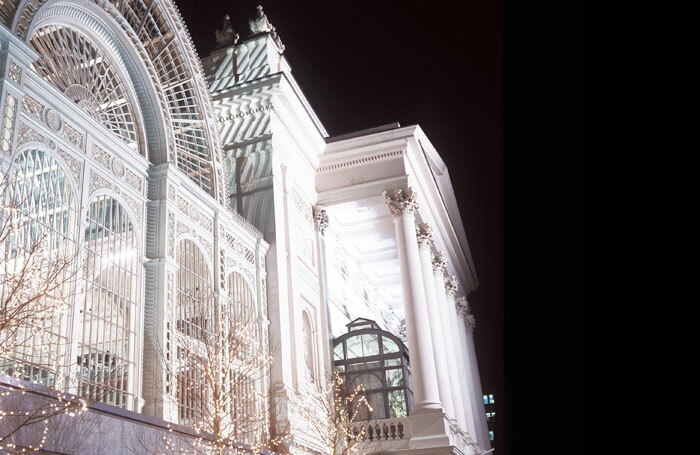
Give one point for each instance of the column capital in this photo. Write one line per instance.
(320, 218)
(470, 320)
(462, 307)
(439, 263)
(451, 286)
(424, 235)
(401, 202)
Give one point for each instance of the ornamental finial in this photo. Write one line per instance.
(451, 285)
(261, 24)
(320, 218)
(424, 234)
(401, 202)
(226, 36)
(439, 263)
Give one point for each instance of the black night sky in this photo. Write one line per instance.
(362, 64)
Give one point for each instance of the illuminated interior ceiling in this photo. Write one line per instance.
(77, 67)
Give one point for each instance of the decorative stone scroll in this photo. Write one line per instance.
(15, 72)
(439, 263)
(320, 219)
(301, 205)
(424, 235)
(451, 286)
(401, 202)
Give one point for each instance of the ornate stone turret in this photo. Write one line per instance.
(226, 35)
(261, 24)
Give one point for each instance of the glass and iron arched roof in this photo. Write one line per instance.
(379, 361)
(156, 34)
(76, 66)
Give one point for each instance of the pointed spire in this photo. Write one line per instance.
(261, 24)
(226, 36)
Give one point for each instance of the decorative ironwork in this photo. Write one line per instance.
(76, 66)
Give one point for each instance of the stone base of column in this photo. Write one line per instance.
(433, 433)
(428, 407)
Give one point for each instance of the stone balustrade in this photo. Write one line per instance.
(382, 430)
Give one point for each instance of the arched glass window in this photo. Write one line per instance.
(379, 361)
(194, 319)
(248, 403)
(106, 356)
(308, 337)
(37, 253)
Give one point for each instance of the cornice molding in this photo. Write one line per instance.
(362, 161)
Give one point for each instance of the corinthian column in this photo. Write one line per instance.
(424, 236)
(472, 376)
(444, 294)
(426, 397)
(459, 335)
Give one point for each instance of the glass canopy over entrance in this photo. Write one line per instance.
(379, 361)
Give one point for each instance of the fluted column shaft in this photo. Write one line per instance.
(426, 397)
(446, 333)
(473, 379)
(458, 329)
(424, 237)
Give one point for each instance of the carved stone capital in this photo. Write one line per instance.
(462, 307)
(470, 322)
(424, 234)
(401, 202)
(439, 263)
(451, 286)
(320, 218)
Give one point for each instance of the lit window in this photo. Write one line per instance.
(486, 399)
(491, 435)
(491, 399)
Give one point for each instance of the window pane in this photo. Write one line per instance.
(370, 343)
(397, 403)
(376, 400)
(354, 347)
(370, 381)
(392, 362)
(389, 345)
(394, 378)
(363, 366)
(338, 352)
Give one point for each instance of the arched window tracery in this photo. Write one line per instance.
(106, 353)
(194, 323)
(38, 251)
(77, 67)
(157, 37)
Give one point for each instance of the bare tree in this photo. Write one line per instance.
(219, 374)
(322, 417)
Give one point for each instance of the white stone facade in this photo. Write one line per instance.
(226, 158)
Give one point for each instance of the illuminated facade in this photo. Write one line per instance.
(195, 192)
